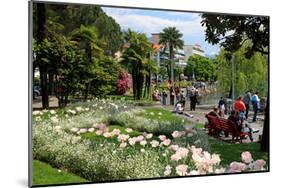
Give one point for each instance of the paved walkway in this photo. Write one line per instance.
(199, 117)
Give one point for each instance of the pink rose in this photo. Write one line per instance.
(237, 167)
(181, 170)
(247, 157)
(166, 142)
(175, 157)
(162, 137)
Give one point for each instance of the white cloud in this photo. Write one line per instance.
(150, 24)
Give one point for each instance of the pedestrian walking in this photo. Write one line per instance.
(256, 105)
(247, 100)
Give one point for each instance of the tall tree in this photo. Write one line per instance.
(40, 59)
(170, 37)
(135, 55)
(231, 32)
(86, 38)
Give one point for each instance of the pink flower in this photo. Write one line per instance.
(181, 170)
(166, 142)
(174, 147)
(246, 157)
(176, 134)
(162, 137)
(107, 134)
(132, 141)
(175, 157)
(98, 132)
(258, 165)
(237, 167)
(196, 150)
(123, 137)
(182, 152)
(116, 131)
(139, 138)
(215, 159)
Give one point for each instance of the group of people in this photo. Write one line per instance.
(240, 112)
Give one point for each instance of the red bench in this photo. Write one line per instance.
(217, 124)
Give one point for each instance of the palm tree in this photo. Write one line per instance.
(150, 67)
(86, 38)
(135, 56)
(171, 39)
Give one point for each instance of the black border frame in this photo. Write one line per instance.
(30, 93)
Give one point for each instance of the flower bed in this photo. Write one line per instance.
(81, 140)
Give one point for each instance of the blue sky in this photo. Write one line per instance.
(153, 21)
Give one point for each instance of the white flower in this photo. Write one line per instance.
(246, 157)
(194, 172)
(174, 147)
(142, 150)
(152, 113)
(83, 130)
(36, 113)
(123, 145)
(74, 129)
(91, 130)
(38, 118)
(87, 109)
(143, 142)
(132, 141)
(160, 113)
(149, 136)
(79, 109)
(176, 134)
(154, 143)
(167, 172)
(73, 112)
(52, 112)
(59, 171)
(129, 130)
(220, 170)
(54, 119)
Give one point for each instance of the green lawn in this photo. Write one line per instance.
(44, 174)
(232, 152)
(162, 114)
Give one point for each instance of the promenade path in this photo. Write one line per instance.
(201, 110)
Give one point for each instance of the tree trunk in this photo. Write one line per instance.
(41, 35)
(44, 87)
(265, 133)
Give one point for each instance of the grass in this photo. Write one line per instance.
(232, 152)
(44, 174)
(163, 115)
